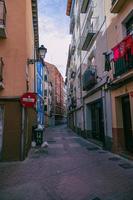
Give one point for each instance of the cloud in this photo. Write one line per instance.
(53, 31)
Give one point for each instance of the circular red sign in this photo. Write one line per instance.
(28, 99)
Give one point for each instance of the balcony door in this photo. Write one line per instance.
(127, 123)
(1, 129)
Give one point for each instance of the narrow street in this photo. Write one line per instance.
(71, 168)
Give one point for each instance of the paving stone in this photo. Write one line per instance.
(70, 168)
(74, 145)
(114, 158)
(126, 165)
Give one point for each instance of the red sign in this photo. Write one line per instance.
(28, 99)
(131, 94)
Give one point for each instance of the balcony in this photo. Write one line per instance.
(90, 29)
(2, 19)
(123, 56)
(84, 5)
(89, 78)
(1, 73)
(117, 5)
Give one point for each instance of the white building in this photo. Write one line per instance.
(89, 105)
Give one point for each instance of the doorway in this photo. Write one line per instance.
(127, 125)
(97, 121)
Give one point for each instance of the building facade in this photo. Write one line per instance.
(40, 93)
(57, 107)
(94, 78)
(18, 43)
(121, 82)
(47, 98)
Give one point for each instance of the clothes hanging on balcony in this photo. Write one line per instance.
(116, 52)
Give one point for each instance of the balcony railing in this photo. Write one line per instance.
(89, 78)
(2, 19)
(117, 5)
(123, 56)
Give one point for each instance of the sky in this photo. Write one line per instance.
(54, 31)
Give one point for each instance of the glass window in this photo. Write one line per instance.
(45, 107)
(45, 78)
(45, 92)
(129, 26)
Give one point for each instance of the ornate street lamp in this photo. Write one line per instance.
(42, 52)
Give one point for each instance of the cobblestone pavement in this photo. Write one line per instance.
(69, 169)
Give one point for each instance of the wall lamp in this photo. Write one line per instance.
(42, 52)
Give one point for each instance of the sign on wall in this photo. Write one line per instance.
(28, 99)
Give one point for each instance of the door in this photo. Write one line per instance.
(97, 121)
(1, 129)
(127, 123)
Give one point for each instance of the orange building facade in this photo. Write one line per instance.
(18, 42)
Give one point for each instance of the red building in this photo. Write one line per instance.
(57, 81)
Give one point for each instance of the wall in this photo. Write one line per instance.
(114, 23)
(29, 44)
(13, 49)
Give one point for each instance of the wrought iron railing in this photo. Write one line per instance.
(89, 78)
(123, 56)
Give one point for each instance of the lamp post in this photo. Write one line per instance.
(41, 55)
(41, 52)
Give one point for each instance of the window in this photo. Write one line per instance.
(45, 78)
(45, 107)
(45, 92)
(129, 26)
(2, 19)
